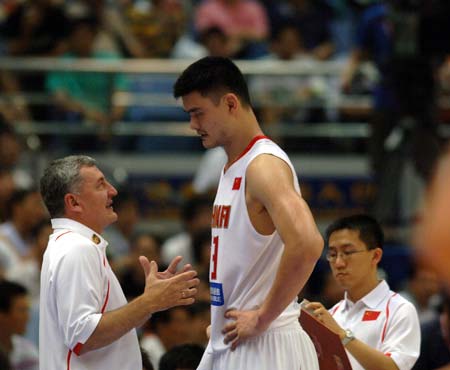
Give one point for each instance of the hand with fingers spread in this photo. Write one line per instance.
(321, 313)
(245, 324)
(169, 288)
(172, 269)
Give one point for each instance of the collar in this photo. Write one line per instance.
(79, 228)
(373, 298)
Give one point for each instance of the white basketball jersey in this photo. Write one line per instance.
(244, 263)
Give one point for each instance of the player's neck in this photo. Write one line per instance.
(241, 139)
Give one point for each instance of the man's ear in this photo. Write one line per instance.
(378, 253)
(71, 203)
(231, 101)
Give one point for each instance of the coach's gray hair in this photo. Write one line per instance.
(62, 176)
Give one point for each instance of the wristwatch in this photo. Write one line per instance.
(348, 337)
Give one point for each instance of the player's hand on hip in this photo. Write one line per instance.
(164, 293)
(245, 324)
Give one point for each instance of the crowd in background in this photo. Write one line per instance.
(303, 30)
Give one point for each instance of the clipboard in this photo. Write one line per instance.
(330, 351)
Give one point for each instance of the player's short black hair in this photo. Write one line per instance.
(212, 75)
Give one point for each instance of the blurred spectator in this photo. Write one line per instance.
(146, 363)
(165, 330)
(201, 244)
(394, 36)
(184, 357)
(114, 34)
(157, 25)
(208, 171)
(11, 151)
(195, 215)
(289, 98)
(435, 345)
(200, 320)
(331, 292)
(27, 273)
(85, 96)
(216, 42)
(25, 211)
(14, 306)
(13, 106)
(119, 234)
(245, 22)
(422, 290)
(36, 27)
(203, 291)
(313, 20)
(131, 275)
(7, 188)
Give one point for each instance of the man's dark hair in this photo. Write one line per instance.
(213, 75)
(62, 176)
(163, 317)
(369, 229)
(8, 292)
(193, 207)
(185, 356)
(18, 197)
(199, 239)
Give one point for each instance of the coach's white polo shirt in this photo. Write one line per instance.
(77, 286)
(385, 321)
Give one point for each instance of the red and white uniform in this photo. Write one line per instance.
(384, 320)
(77, 286)
(243, 267)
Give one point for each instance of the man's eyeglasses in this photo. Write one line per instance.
(345, 255)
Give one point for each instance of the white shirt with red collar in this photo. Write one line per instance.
(77, 287)
(384, 320)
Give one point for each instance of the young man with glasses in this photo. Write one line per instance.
(379, 328)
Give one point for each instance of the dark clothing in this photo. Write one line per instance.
(51, 29)
(434, 352)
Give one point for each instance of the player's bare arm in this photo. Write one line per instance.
(269, 183)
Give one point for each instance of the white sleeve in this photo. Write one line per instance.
(402, 337)
(209, 170)
(80, 288)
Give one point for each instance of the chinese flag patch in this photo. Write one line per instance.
(371, 315)
(237, 183)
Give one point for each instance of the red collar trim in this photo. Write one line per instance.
(247, 149)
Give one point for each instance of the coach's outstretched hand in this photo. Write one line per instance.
(169, 288)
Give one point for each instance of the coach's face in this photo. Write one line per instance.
(353, 265)
(94, 200)
(208, 117)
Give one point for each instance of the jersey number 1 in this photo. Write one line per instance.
(215, 252)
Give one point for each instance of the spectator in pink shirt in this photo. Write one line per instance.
(244, 21)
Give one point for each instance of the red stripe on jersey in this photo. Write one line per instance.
(64, 233)
(246, 150)
(336, 308)
(69, 355)
(383, 334)
(106, 299)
